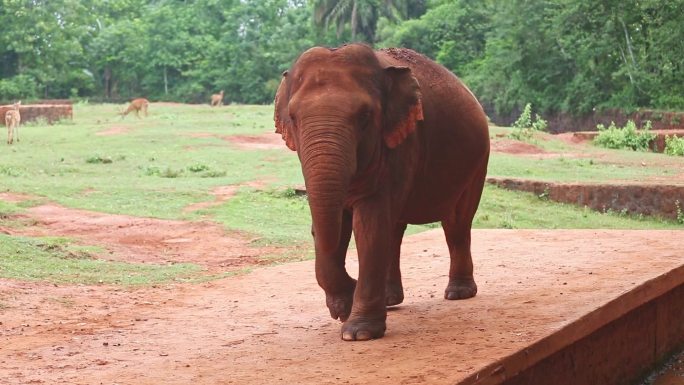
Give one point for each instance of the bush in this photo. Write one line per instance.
(627, 137)
(18, 87)
(199, 167)
(99, 159)
(525, 118)
(524, 127)
(674, 145)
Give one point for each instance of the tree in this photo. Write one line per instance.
(41, 46)
(362, 15)
(454, 33)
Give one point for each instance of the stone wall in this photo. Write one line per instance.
(50, 112)
(630, 198)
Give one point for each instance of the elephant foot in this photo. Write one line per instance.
(363, 329)
(394, 294)
(461, 288)
(340, 304)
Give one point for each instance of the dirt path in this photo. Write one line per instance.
(271, 326)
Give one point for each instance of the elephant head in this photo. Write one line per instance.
(342, 110)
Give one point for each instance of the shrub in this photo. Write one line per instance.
(626, 137)
(99, 159)
(674, 145)
(168, 172)
(213, 174)
(524, 127)
(525, 118)
(198, 167)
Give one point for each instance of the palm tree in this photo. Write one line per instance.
(362, 14)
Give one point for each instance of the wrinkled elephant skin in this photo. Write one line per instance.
(385, 138)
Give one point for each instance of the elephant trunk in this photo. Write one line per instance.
(328, 159)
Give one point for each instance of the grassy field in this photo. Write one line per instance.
(158, 166)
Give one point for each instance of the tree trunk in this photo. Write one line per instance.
(166, 83)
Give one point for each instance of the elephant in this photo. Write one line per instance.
(385, 138)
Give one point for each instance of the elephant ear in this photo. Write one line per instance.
(281, 116)
(404, 107)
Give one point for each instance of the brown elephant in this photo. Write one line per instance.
(385, 138)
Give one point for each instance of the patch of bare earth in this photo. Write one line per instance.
(145, 240)
(14, 197)
(510, 146)
(221, 194)
(505, 145)
(266, 141)
(114, 130)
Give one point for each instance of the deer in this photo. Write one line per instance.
(137, 105)
(12, 120)
(217, 99)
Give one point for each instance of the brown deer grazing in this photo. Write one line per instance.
(137, 105)
(217, 99)
(12, 120)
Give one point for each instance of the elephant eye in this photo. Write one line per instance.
(365, 117)
(291, 112)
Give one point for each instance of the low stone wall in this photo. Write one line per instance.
(631, 198)
(49, 112)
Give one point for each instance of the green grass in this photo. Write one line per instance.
(503, 209)
(177, 155)
(563, 169)
(149, 170)
(277, 217)
(8, 208)
(58, 260)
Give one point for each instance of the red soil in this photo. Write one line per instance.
(114, 130)
(271, 326)
(146, 240)
(510, 146)
(221, 194)
(266, 141)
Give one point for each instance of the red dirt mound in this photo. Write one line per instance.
(510, 146)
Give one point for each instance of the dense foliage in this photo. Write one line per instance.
(627, 137)
(674, 145)
(161, 49)
(560, 55)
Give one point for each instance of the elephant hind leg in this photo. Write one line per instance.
(394, 292)
(457, 231)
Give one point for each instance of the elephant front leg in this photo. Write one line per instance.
(332, 275)
(373, 242)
